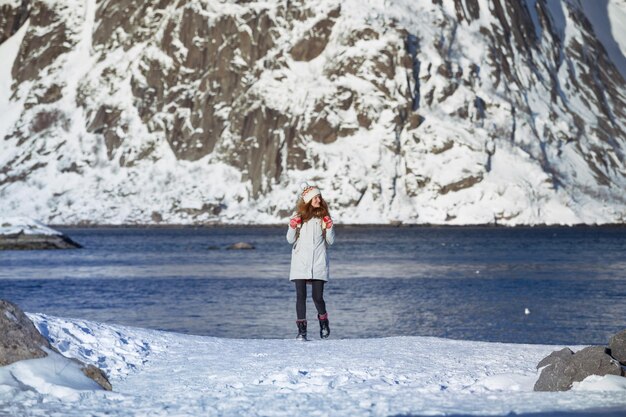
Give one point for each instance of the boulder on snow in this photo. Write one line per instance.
(96, 374)
(617, 345)
(562, 371)
(564, 354)
(21, 233)
(241, 245)
(20, 340)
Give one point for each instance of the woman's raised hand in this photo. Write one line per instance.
(328, 222)
(295, 222)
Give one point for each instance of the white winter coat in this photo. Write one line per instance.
(309, 259)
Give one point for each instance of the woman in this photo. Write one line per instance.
(310, 231)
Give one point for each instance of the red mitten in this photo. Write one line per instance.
(295, 222)
(328, 221)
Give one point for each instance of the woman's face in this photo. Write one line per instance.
(315, 202)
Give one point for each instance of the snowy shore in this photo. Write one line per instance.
(165, 374)
(25, 225)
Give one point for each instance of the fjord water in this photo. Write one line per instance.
(472, 283)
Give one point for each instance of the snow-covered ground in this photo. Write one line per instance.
(166, 374)
(13, 225)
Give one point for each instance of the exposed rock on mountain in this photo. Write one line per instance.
(12, 16)
(193, 111)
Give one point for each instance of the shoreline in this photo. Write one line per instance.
(340, 225)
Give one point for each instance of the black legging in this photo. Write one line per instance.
(318, 297)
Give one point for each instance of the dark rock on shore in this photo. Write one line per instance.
(20, 340)
(24, 241)
(562, 355)
(562, 368)
(97, 375)
(241, 245)
(617, 345)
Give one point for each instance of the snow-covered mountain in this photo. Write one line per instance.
(430, 111)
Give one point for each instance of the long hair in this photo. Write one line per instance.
(307, 211)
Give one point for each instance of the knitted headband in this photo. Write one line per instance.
(309, 192)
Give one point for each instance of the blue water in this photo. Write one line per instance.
(460, 283)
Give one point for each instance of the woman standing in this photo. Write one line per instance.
(310, 231)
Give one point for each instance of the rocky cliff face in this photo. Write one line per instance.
(12, 17)
(189, 111)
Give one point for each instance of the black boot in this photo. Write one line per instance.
(324, 328)
(301, 330)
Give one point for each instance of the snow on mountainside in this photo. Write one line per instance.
(431, 111)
